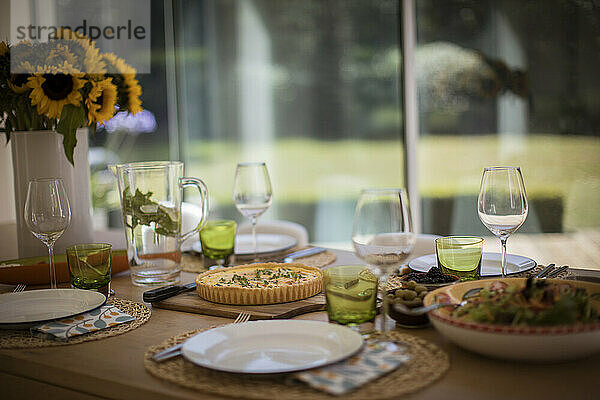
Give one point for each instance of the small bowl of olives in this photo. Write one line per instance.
(411, 295)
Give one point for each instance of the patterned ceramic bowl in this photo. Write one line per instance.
(525, 343)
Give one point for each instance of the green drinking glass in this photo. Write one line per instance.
(217, 238)
(351, 295)
(89, 266)
(460, 255)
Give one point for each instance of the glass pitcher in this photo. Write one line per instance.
(151, 194)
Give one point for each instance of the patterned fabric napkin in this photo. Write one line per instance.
(376, 359)
(100, 318)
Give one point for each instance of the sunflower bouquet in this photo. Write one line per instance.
(62, 85)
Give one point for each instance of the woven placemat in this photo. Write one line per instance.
(23, 339)
(428, 363)
(195, 264)
(192, 263)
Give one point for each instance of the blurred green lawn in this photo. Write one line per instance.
(313, 170)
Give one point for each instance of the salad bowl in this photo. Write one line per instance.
(523, 341)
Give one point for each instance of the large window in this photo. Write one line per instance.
(143, 137)
(509, 83)
(311, 87)
(315, 89)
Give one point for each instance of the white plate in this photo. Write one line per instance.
(490, 265)
(18, 310)
(266, 244)
(264, 347)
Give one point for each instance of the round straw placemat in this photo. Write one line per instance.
(195, 264)
(192, 263)
(24, 339)
(318, 260)
(428, 363)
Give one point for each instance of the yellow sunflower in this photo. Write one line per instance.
(59, 54)
(92, 60)
(3, 48)
(52, 89)
(18, 82)
(134, 91)
(132, 88)
(101, 101)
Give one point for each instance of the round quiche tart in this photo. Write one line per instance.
(260, 283)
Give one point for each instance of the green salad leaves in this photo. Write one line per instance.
(539, 303)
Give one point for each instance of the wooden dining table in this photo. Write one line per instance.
(113, 368)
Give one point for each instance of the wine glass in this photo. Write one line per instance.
(252, 193)
(47, 214)
(382, 233)
(502, 204)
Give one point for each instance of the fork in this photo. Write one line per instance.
(19, 288)
(175, 351)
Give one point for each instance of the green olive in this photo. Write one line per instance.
(411, 284)
(409, 295)
(413, 303)
(420, 288)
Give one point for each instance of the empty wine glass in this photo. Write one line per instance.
(47, 214)
(252, 193)
(382, 233)
(502, 204)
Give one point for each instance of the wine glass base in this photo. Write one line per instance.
(211, 263)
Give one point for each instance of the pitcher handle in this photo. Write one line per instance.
(186, 181)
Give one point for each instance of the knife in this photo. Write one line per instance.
(302, 253)
(162, 293)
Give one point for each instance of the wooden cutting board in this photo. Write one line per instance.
(191, 302)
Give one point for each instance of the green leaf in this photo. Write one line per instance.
(71, 118)
(144, 211)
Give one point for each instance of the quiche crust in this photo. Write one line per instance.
(219, 286)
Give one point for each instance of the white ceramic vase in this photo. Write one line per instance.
(40, 154)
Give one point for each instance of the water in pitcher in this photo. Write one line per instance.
(153, 250)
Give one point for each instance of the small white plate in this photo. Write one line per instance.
(22, 309)
(490, 265)
(271, 346)
(266, 244)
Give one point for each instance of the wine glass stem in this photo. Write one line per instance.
(52, 270)
(254, 244)
(503, 240)
(383, 285)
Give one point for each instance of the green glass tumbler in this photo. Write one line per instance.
(89, 266)
(460, 255)
(351, 295)
(217, 238)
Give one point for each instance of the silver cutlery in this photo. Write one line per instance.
(303, 253)
(19, 288)
(557, 271)
(425, 309)
(175, 351)
(545, 271)
(288, 258)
